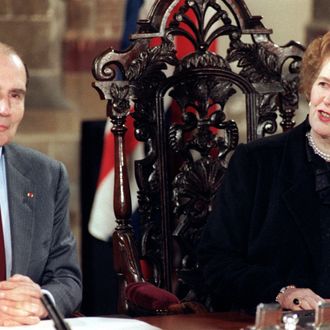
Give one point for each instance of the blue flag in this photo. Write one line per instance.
(131, 17)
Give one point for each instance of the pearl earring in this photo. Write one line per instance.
(310, 104)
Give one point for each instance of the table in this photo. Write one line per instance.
(207, 321)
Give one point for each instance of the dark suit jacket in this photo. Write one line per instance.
(42, 243)
(264, 231)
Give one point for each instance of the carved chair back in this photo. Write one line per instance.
(188, 110)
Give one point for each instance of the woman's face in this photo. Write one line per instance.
(319, 111)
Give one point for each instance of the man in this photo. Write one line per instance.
(39, 248)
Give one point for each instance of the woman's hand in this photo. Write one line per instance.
(297, 299)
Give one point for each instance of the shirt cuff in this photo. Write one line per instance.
(44, 291)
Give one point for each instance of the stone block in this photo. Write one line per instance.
(5, 7)
(105, 27)
(68, 152)
(33, 40)
(45, 90)
(79, 54)
(79, 16)
(42, 146)
(49, 124)
(321, 10)
(316, 29)
(87, 101)
(28, 7)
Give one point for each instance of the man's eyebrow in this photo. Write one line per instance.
(19, 91)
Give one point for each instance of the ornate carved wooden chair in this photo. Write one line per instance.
(232, 72)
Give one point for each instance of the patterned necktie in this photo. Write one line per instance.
(2, 254)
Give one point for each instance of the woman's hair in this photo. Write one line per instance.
(315, 55)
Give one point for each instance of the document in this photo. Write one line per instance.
(91, 323)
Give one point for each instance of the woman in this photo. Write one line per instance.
(268, 238)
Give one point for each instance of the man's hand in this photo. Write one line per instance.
(20, 302)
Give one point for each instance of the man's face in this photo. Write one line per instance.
(12, 95)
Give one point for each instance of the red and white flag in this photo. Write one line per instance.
(102, 219)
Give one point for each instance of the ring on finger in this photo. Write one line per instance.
(296, 301)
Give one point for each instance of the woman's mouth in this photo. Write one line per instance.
(324, 116)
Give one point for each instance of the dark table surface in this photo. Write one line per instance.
(207, 321)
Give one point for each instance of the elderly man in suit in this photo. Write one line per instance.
(37, 248)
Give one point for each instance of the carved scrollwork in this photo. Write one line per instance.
(148, 181)
(152, 60)
(257, 62)
(194, 189)
(267, 124)
(203, 60)
(290, 95)
(230, 139)
(204, 140)
(268, 105)
(119, 101)
(263, 65)
(151, 250)
(197, 98)
(202, 35)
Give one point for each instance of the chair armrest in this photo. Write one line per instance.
(150, 297)
(146, 296)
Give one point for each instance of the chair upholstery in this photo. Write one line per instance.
(185, 113)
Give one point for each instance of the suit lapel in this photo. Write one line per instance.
(21, 200)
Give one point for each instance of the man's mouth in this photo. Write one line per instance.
(3, 128)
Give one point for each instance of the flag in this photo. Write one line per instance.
(102, 219)
(102, 222)
(132, 14)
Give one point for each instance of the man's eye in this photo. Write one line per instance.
(17, 96)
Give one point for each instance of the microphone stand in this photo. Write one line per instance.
(54, 313)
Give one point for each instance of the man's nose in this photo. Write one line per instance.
(4, 107)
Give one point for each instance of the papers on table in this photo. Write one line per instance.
(92, 323)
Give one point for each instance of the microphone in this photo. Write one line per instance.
(54, 313)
